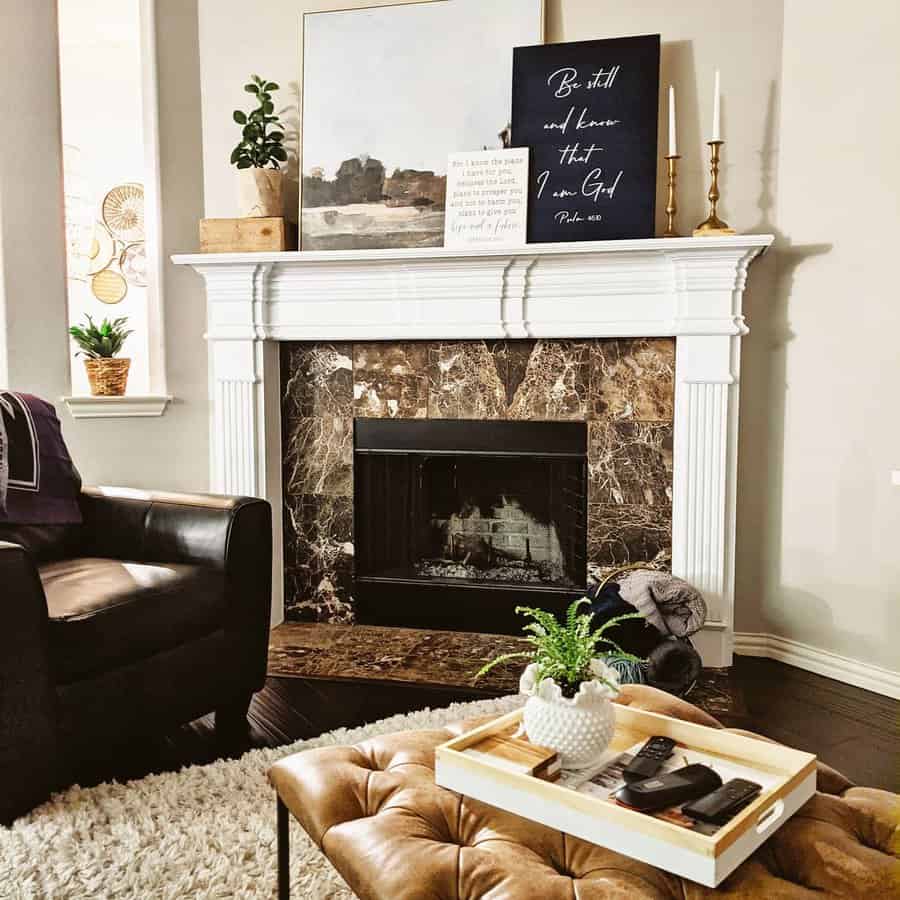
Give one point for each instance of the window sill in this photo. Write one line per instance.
(128, 406)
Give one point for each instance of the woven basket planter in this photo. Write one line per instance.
(107, 377)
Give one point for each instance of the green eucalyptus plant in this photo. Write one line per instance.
(262, 133)
(102, 342)
(563, 651)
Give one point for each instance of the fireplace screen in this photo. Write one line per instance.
(483, 503)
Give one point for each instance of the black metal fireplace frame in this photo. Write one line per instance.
(448, 603)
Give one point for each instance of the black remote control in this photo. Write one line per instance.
(724, 803)
(649, 758)
(671, 789)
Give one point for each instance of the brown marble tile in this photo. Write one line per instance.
(630, 462)
(465, 381)
(516, 356)
(318, 456)
(633, 379)
(555, 383)
(622, 533)
(318, 558)
(390, 380)
(407, 655)
(438, 659)
(316, 380)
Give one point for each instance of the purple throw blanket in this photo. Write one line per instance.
(39, 484)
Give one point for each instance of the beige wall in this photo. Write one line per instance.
(828, 568)
(33, 344)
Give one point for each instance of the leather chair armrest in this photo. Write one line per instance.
(153, 526)
(27, 694)
(233, 534)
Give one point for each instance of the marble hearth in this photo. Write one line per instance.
(624, 389)
(522, 317)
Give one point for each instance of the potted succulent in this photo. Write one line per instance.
(569, 683)
(259, 187)
(107, 374)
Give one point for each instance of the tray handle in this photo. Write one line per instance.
(768, 819)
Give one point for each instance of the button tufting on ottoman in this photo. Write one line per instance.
(392, 834)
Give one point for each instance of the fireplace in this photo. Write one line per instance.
(443, 483)
(583, 332)
(457, 521)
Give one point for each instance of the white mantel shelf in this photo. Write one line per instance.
(577, 248)
(590, 289)
(689, 288)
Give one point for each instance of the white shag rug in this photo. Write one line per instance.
(203, 832)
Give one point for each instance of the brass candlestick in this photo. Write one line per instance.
(671, 202)
(713, 225)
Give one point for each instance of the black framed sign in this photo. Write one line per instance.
(589, 110)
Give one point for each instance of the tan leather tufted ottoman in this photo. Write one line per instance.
(378, 816)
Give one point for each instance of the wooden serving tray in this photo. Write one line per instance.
(702, 858)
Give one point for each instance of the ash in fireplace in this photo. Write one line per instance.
(509, 570)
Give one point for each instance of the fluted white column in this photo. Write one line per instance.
(235, 426)
(707, 375)
(245, 423)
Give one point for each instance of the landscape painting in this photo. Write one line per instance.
(388, 93)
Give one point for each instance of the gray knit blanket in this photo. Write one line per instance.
(670, 604)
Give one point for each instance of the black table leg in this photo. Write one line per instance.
(284, 851)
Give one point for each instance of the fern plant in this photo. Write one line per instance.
(103, 342)
(563, 651)
(261, 131)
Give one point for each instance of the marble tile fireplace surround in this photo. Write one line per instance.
(634, 344)
(619, 391)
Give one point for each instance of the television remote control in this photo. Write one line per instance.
(724, 803)
(649, 758)
(670, 789)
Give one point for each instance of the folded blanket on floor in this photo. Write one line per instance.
(671, 604)
(637, 636)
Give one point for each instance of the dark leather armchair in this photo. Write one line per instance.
(151, 613)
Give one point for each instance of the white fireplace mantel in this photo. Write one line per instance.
(689, 288)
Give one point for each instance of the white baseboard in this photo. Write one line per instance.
(822, 662)
(713, 643)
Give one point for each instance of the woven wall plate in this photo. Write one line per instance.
(123, 212)
(133, 263)
(102, 251)
(109, 287)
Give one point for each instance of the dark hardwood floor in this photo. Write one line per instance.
(854, 731)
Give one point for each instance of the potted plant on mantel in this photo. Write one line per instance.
(262, 134)
(107, 374)
(569, 683)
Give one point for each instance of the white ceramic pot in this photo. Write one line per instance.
(259, 192)
(579, 728)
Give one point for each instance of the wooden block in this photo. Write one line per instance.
(243, 235)
(518, 755)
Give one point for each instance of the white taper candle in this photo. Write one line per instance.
(716, 136)
(672, 142)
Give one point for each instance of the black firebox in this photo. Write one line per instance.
(457, 522)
